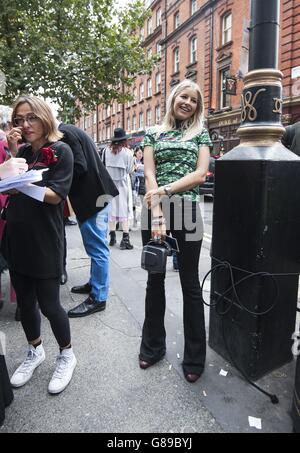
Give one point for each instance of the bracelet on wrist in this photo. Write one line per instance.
(158, 222)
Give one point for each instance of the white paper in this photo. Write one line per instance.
(15, 182)
(36, 192)
(223, 373)
(255, 422)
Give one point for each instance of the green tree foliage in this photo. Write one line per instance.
(76, 52)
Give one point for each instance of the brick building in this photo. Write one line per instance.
(207, 41)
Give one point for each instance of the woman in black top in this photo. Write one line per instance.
(33, 239)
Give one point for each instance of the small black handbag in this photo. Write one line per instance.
(154, 256)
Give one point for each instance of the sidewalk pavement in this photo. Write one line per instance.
(109, 393)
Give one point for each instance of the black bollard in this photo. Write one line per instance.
(256, 220)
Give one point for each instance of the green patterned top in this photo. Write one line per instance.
(174, 158)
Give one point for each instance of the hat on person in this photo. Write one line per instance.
(119, 135)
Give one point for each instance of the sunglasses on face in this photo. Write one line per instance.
(31, 120)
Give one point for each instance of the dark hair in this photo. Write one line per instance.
(116, 147)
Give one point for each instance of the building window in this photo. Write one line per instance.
(176, 60)
(176, 20)
(224, 98)
(108, 111)
(226, 28)
(157, 82)
(113, 108)
(135, 95)
(158, 17)
(142, 34)
(134, 122)
(141, 120)
(107, 133)
(193, 50)
(149, 26)
(149, 118)
(158, 49)
(128, 123)
(95, 118)
(149, 87)
(149, 53)
(157, 114)
(119, 107)
(141, 97)
(193, 6)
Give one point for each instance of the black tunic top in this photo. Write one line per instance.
(33, 238)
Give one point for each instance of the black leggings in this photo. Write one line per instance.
(34, 293)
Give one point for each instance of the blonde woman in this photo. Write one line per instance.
(176, 158)
(33, 238)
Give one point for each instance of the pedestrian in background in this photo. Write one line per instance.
(119, 162)
(33, 238)
(139, 189)
(91, 191)
(176, 159)
(291, 138)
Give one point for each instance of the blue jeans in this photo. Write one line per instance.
(94, 236)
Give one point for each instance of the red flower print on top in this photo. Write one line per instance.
(48, 156)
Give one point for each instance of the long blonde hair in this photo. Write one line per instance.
(42, 110)
(194, 125)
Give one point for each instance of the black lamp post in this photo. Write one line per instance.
(256, 222)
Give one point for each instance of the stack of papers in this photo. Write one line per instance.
(24, 183)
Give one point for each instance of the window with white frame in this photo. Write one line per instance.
(149, 88)
(224, 98)
(157, 114)
(95, 118)
(158, 49)
(135, 95)
(119, 107)
(128, 123)
(176, 60)
(141, 97)
(149, 118)
(226, 28)
(108, 111)
(113, 108)
(193, 50)
(142, 34)
(157, 82)
(193, 6)
(107, 132)
(149, 26)
(141, 120)
(158, 17)
(134, 122)
(176, 20)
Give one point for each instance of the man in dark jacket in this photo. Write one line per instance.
(291, 138)
(92, 189)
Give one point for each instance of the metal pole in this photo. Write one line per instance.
(256, 219)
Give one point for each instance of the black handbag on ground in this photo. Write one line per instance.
(154, 256)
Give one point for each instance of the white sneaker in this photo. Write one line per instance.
(35, 356)
(65, 364)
